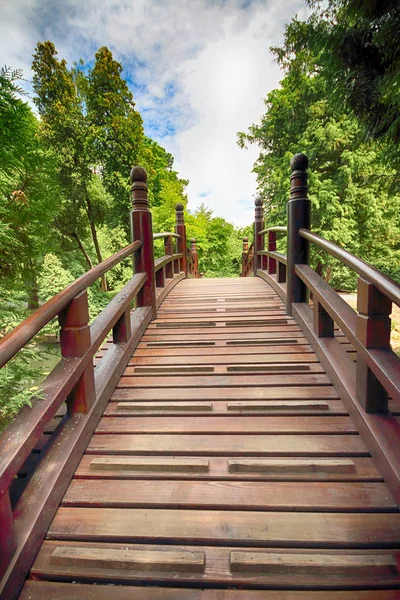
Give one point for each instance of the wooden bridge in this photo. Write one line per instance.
(226, 439)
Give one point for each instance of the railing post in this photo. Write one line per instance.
(169, 268)
(7, 533)
(195, 256)
(299, 216)
(244, 255)
(271, 248)
(75, 342)
(180, 229)
(258, 239)
(142, 229)
(373, 331)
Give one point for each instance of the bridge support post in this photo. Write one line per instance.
(75, 342)
(258, 239)
(169, 271)
(142, 229)
(180, 229)
(373, 331)
(299, 216)
(195, 256)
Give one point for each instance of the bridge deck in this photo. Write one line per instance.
(224, 458)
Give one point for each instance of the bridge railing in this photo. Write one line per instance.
(27, 510)
(247, 257)
(375, 378)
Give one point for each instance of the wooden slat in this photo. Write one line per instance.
(140, 560)
(225, 380)
(230, 424)
(270, 465)
(284, 529)
(262, 562)
(191, 465)
(231, 495)
(39, 590)
(196, 359)
(233, 445)
(228, 393)
(165, 406)
(281, 405)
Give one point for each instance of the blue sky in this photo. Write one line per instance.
(198, 69)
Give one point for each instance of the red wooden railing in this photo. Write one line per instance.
(368, 384)
(26, 510)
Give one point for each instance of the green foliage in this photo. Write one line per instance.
(353, 202)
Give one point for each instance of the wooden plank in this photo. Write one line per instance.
(218, 468)
(210, 424)
(226, 380)
(45, 590)
(219, 407)
(283, 529)
(188, 465)
(281, 405)
(217, 572)
(141, 560)
(232, 495)
(239, 358)
(264, 562)
(229, 444)
(203, 350)
(164, 406)
(228, 393)
(270, 465)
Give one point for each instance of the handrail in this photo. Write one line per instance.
(277, 255)
(161, 262)
(16, 339)
(385, 284)
(165, 234)
(277, 229)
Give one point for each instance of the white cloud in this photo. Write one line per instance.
(213, 55)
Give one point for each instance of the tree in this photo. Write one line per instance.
(349, 177)
(66, 130)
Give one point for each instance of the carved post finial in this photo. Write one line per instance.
(245, 244)
(179, 208)
(139, 189)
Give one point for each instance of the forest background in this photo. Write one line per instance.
(64, 173)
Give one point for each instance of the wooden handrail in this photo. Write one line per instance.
(74, 379)
(385, 284)
(277, 229)
(365, 386)
(16, 339)
(165, 234)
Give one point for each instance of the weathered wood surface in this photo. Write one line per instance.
(249, 473)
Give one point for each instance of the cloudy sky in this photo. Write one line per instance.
(199, 70)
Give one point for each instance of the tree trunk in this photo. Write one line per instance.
(32, 287)
(89, 213)
(82, 249)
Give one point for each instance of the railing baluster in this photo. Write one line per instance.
(195, 256)
(281, 275)
(8, 543)
(180, 229)
(271, 265)
(323, 323)
(142, 229)
(258, 239)
(75, 342)
(122, 330)
(244, 256)
(168, 252)
(373, 331)
(299, 216)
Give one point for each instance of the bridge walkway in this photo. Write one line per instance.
(225, 464)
